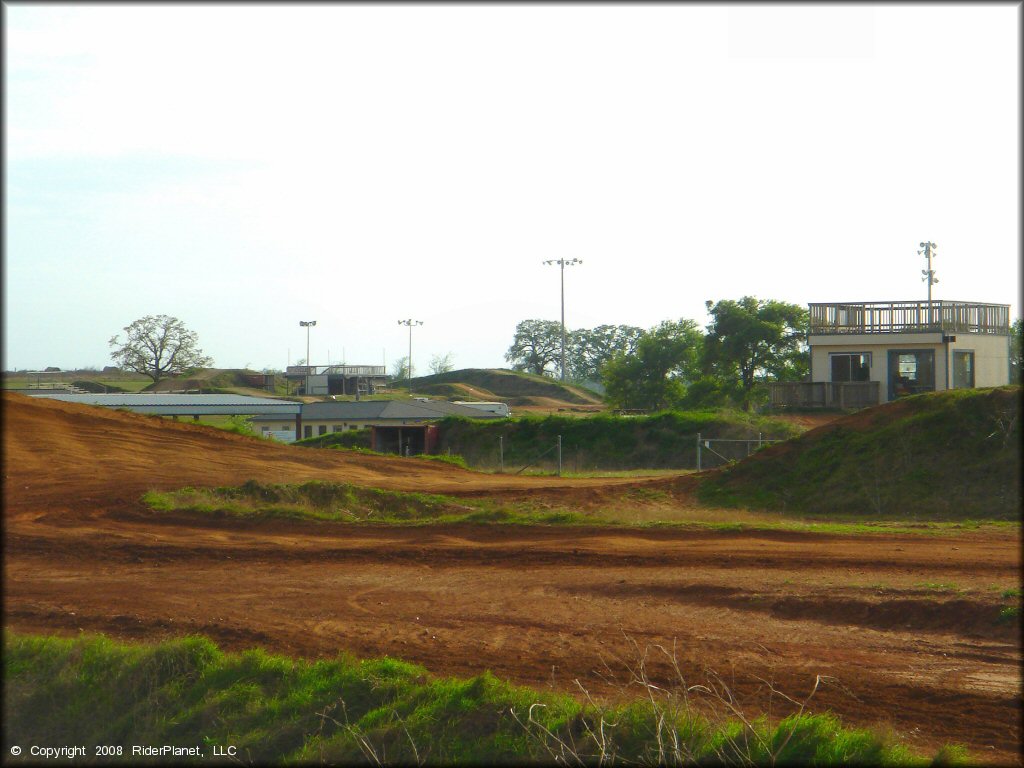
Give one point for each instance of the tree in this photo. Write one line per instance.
(400, 369)
(441, 363)
(656, 375)
(752, 340)
(1016, 339)
(588, 351)
(537, 344)
(158, 346)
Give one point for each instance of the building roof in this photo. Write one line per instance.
(366, 410)
(189, 405)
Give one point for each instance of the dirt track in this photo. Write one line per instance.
(542, 606)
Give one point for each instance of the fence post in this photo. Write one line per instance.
(501, 454)
(559, 455)
(698, 451)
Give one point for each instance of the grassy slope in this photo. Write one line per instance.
(661, 441)
(945, 454)
(90, 690)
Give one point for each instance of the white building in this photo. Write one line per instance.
(873, 352)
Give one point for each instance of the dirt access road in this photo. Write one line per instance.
(902, 627)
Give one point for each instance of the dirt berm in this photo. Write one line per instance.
(940, 455)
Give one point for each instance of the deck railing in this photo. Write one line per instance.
(823, 394)
(910, 316)
(335, 370)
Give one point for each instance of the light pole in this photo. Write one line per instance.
(307, 324)
(410, 322)
(928, 249)
(562, 264)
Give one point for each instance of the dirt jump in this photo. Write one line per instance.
(900, 631)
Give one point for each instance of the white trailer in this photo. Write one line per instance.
(499, 408)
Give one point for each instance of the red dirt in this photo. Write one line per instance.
(537, 605)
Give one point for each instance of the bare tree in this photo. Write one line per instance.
(158, 346)
(441, 363)
(400, 369)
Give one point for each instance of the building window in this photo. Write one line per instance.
(322, 429)
(963, 370)
(307, 431)
(850, 366)
(911, 372)
(338, 428)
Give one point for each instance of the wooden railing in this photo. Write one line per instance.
(912, 316)
(823, 394)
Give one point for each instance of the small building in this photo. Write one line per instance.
(338, 379)
(867, 353)
(399, 426)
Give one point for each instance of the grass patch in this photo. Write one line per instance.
(352, 438)
(343, 502)
(318, 501)
(277, 710)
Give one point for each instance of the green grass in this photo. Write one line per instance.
(603, 442)
(936, 586)
(343, 502)
(946, 455)
(352, 438)
(276, 710)
(320, 502)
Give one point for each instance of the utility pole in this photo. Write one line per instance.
(928, 249)
(410, 322)
(307, 324)
(562, 264)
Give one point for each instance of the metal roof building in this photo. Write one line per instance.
(185, 405)
(413, 416)
(390, 409)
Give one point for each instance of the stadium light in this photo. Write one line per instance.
(410, 322)
(928, 250)
(562, 264)
(307, 324)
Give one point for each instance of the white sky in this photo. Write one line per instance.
(247, 167)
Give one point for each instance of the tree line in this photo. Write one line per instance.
(673, 365)
(676, 364)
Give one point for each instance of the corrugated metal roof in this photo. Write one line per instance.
(187, 404)
(330, 410)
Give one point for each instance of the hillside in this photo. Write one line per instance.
(943, 454)
(512, 387)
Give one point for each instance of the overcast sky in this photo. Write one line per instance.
(247, 167)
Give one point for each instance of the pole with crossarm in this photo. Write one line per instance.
(562, 264)
(410, 322)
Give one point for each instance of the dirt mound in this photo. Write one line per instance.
(56, 452)
(500, 384)
(945, 454)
